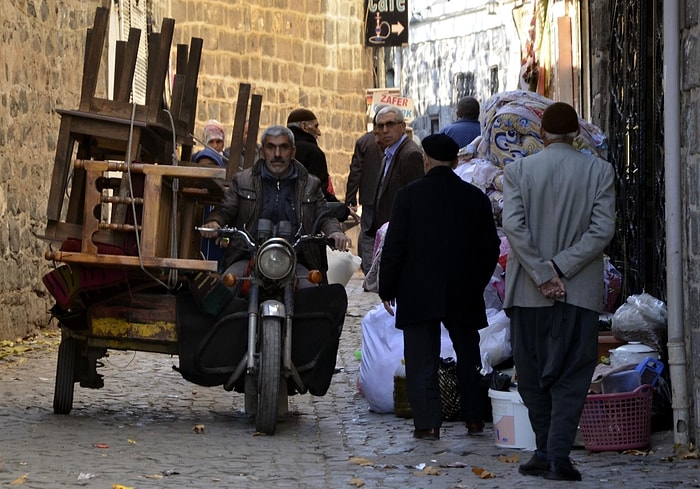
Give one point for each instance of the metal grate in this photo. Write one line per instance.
(636, 145)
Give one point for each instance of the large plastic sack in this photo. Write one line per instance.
(641, 318)
(341, 266)
(382, 351)
(494, 340)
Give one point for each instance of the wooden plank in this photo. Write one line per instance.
(93, 55)
(189, 100)
(238, 127)
(123, 83)
(159, 71)
(565, 63)
(131, 261)
(184, 171)
(253, 125)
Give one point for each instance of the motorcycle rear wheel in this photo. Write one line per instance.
(269, 375)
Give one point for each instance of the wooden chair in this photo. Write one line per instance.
(117, 129)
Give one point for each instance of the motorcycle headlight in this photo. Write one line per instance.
(275, 259)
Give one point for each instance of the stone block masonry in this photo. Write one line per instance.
(294, 53)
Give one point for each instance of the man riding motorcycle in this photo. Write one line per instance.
(277, 187)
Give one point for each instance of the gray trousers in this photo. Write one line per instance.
(555, 352)
(365, 244)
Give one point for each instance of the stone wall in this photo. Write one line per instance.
(42, 45)
(306, 53)
(294, 53)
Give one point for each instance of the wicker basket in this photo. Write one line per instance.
(619, 421)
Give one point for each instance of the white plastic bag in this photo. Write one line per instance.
(494, 341)
(341, 266)
(382, 351)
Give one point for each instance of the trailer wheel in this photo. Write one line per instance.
(65, 376)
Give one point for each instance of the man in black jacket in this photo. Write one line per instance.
(304, 125)
(439, 253)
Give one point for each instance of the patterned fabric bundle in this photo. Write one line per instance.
(510, 129)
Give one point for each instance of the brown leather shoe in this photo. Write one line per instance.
(427, 434)
(475, 428)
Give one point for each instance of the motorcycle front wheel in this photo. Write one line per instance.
(269, 373)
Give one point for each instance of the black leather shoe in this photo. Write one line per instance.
(537, 466)
(475, 428)
(562, 471)
(427, 434)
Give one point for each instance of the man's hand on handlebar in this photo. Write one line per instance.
(210, 225)
(342, 242)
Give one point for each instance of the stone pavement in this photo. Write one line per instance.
(139, 432)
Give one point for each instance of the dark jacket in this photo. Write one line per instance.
(313, 158)
(405, 167)
(440, 251)
(364, 171)
(242, 206)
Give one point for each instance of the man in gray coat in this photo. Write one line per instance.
(558, 215)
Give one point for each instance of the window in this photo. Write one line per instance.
(494, 79)
(464, 85)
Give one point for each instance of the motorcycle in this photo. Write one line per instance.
(258, 334)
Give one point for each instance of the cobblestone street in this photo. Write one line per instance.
(141, 431)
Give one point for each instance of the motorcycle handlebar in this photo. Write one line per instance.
(226, 232)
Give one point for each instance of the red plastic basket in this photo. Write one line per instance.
(619, 421)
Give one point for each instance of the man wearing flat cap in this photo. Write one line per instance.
(439, 253)
(559, 216)
(304, 125)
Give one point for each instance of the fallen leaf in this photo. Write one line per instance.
(360, 461)
(483, 473)
(119, 486)
(20, 480)
(429, 470)
(635, 452)
(198, 428)
(509, 459)
(356, 482)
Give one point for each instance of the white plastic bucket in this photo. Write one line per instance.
(511, 425)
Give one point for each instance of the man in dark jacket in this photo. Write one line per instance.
(276, 187)
(365, 166)
(304, 125)
(439, 253)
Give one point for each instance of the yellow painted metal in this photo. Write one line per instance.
(115, 327)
